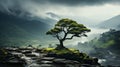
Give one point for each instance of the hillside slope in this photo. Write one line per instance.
(14, 28)
(113, 23)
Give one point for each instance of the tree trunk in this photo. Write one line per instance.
(61, 43)
(61, 46)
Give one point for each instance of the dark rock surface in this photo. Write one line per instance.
(31, 57)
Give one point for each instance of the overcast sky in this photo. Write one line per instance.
(94, 10)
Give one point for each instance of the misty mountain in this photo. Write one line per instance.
(113, 23)
(30, 26)
(13, 27)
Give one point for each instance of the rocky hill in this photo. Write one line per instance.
(32, 57)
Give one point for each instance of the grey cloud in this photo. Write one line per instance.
(80, 2)
(22, 6)
(6, 5)
(17, 7)
(11, 6)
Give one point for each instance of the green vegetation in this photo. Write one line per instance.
(20, 31)
(71, 54)
(107, 41)
(17, 42)
(65, 27)
(63, 51)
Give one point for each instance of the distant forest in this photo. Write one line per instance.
(107, 41)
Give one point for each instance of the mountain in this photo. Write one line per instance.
(14, 28)
(113, 23)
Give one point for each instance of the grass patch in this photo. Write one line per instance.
(63, 51)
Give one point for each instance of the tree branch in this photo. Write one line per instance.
(57, 37)
(66, 33)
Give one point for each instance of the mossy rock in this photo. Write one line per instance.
(69, 53)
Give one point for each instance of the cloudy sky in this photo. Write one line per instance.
(83, 11)
(87, 10)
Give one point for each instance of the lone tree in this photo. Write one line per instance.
(66, 29)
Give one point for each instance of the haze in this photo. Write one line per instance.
(86, 11)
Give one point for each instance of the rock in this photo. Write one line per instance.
(38, 50)
(11, 49)
(48, 58)
(88, 65)
(26, 51)
(46, 62)
(8, 64)
(35, 58)
(66, 63)
(58, 62)
(36, 54)
(17, 54)
(30, 55)
(13, 61)
(112, 66)
(46, 65)
(33, 65)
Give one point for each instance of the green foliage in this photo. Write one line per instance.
(108, 43)
(110, 38)
(68, 25)
(107, 39)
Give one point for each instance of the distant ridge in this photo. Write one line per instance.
(113, 23)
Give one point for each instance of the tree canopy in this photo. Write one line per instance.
(66, 29)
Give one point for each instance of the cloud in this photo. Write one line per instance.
(22, 7)
(7, 5)
(78, 2)
(62, 8)
(13, 7)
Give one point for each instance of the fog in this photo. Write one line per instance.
(91, 12)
